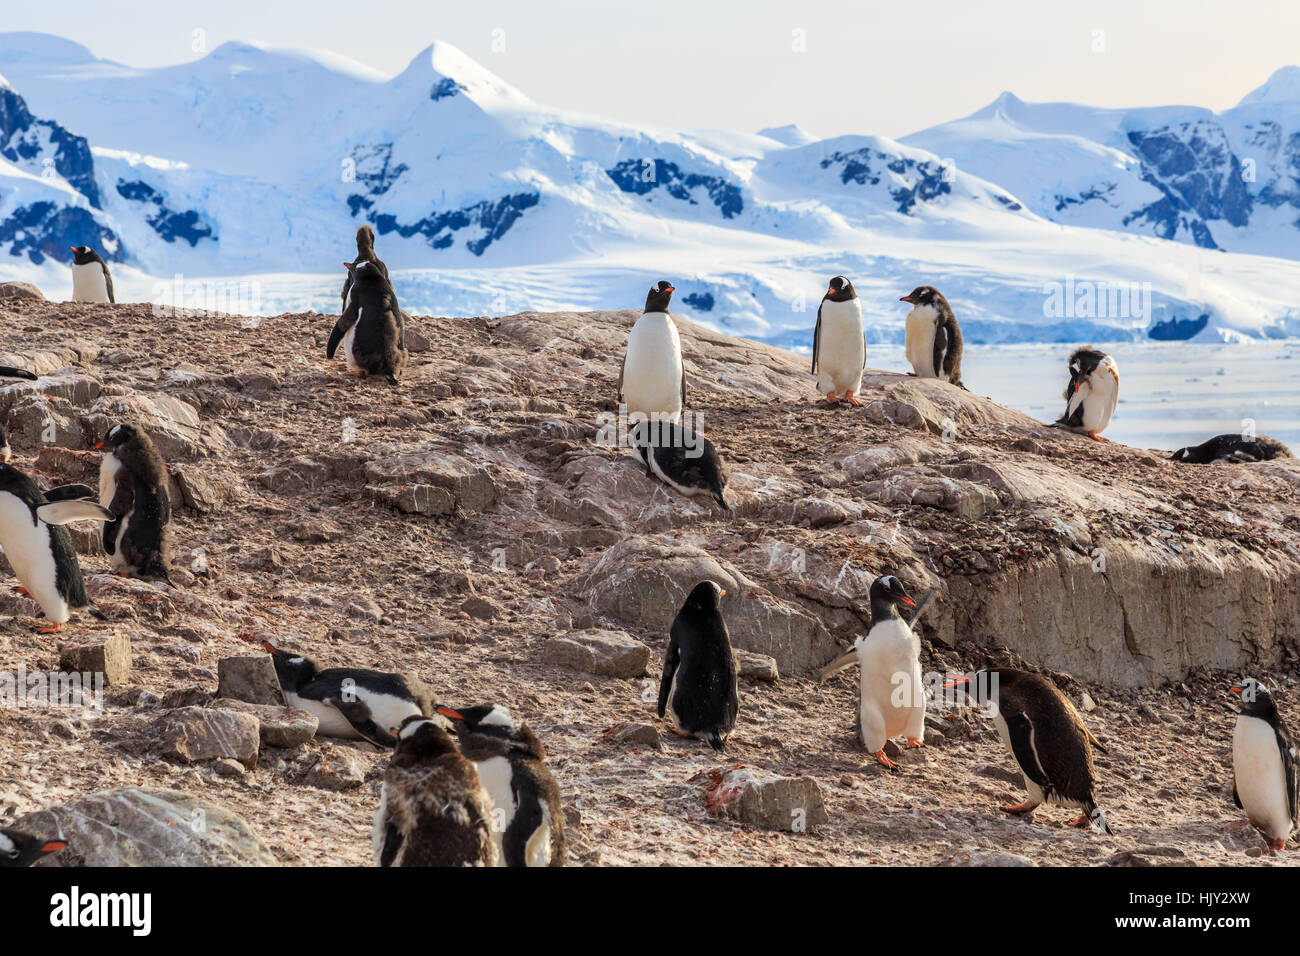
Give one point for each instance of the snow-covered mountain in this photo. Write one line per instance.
(260, 162)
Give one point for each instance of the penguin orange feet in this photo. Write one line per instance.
(1096, 437)
(914, 742)
(1027, 807)
(885, 761)
(1276, 845)
(831, 399)
(1081, 821)
(49, 628)
(22, 590)
(851, 398)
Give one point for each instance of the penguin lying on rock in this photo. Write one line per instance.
(1265, 767)
(527, 817)
(1233, 449)
(350, 702)
(682, 459)
(40, 549)
(23, 849)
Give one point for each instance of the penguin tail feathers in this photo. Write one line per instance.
(717, 496)
(391, 378)
(715, 740)
(93, 609)
(1097, 816)
(8, 371)
(156, 569)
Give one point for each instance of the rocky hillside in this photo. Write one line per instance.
(471, 526)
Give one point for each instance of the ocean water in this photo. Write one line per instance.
(1171, 393)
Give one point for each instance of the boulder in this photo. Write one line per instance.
(19, 292)
(472, 484)
(284, 727)
(110, 656)
(196, 734)
(605, 653)
(174, 425)
(765, 799)
(250, 679)
(336, 768)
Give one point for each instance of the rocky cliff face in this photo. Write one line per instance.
(474, 527)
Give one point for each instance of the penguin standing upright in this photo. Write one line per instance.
(1233, 449)
(1047, 737)
(350, 702)
(365, 253)
(932, 335)
(891, 700)
(839, 349)
(133, 486)
(682, 459)
(39, 549)
(698, 689)
(433, 810)
(372, 326)
(1265, 768)
(527, 817)
(91, 280)
(652, 381)
(1092, 393)
(23, 849)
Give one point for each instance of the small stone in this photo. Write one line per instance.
(250, 679)
(196, 734)
(572, 817)
(1087, 703)
(414, 499)
(968, 857)
(634, 735)
(186, 697)
(600, 652)
(934, 738)
(892, 750)
(337, 768)
(110, 656)
(756, 666)
(362, 608)
(226, 767)
(764, 799)
(481, 608)
(1150, 856)
(996, 772)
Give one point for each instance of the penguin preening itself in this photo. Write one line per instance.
(681, 458)
(433, 809)
(350, 702)
(91, 280)
(1265, 768)
(652, 381)
(1232, 449)
(527, 817)
(839, 349)
(372, 326)
(891, 700)
(932, 336)
(365, 252)
(1092, 394)
(23, 849)
(40, 549)
(699, 689)
(133, 487)
(1047, 737)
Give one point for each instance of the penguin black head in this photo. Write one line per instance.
(705, 597)
(925, 295)
(424, 737)
(84, 254)
(1256, 701)
(840, 289)
(1084, 362)
(292, 670)
(661, 293)
(492, 720)
(887, 593)
(23, 849)
(118, 436)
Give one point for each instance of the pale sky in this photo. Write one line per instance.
(833, 66)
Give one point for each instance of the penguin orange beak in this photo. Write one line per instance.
(269, 647)
(671, 288)
(830, 291)
(907, 600)
(1235, 690)
(955, 680)
(99, 444)
(448, 712)
(54, 846)
(906, 298)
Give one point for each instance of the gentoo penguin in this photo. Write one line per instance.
(1233, 449)
(8, 371)
(133, 486)
(372, 326)
(838, 345)
(23, 849)
(433, 810)
(91, 280)
(933, 336)
(698, 689)
(891, 700)
(1046, 736)
(681, 458)
(527, 818)
(1264, 766)
(652, 381)
(39, 549)
(365, 252)
(1092, 393)
(350, 702)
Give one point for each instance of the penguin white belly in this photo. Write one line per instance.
(116, 559)
(1260, 778)
(349, 338)
(109, 466)
(841, 350)
(387, 711)
(652, 371)
(892, 700)
(26, 543)
(920, 339)
(332, 723)
(537, 852)
(496, 774)
(663, 476)
(88, 283)
(1036, 794)
(1099, 403)
(379, 829)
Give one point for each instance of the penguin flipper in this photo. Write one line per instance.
(357, 713)
(345, 322)
(108, 282)
(66, 492)
(1291, 769)
(621, 369)
(1020, 730)
(940, 350)
(683, 386)
(670, 668)
(8, 371)
(392, 843)
(78, 509)
(1235, 798)
(817, 340)
(522, 834)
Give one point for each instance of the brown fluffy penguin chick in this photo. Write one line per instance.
(133, 486)
(1046, 736)
(365, 252)
(433, 810)
(372, 327)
